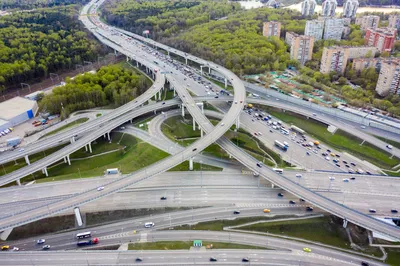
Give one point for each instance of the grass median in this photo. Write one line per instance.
(179, 245)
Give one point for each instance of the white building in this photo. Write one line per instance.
(329, 8)
(314, 28)
(308, 7)
(350, 8)
(16, 111)
(333, 29)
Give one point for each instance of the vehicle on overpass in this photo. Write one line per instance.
(88, 242)
(281, 145)
(84, 235)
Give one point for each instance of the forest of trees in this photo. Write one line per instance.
(34, 44)
(113, 85)
(31, 4)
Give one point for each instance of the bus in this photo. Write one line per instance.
(278, 170)
(256, 95)
(281, 145)
(285, 131)
(83, 235)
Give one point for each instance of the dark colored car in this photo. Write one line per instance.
(394, 211)
(280, 194)
(310, 209)
(236, 212)
(302, 200)
(213, 259)
(259, 165)
(352, 178)
(353, 164)
(195, 149)
(292, 202)
(163, 198)
(245, 260)
(363, 263)
(138, 260)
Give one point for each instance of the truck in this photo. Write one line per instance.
(250, 105)
(14, 141)
(297, 129)
(89, 242)
(281, 145)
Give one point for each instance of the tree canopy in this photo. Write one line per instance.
(110, 85)
(31, 4)
(35, 43)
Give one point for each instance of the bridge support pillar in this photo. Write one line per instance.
(45, 171)
(159, 95)
(237, 123)
(69, 161)
(226, 83)
(27, 160)
(127, 59)
(191, 164)
(90, 147)
(115, 52)
(174, 93)
(154, 76)
(209, 70)
(230, 156)
(201, 70)
(183, 110)
(19, 182)
(345, 223)
(194, 125)
(202, 109)
(201, 132)
(108, 136)
(147, 70)
(85, 148)
(65, 159)
(137, 64)
(272, 185)
(72, 139)
(186, 60)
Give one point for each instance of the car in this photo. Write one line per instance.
(163, 103)
(236, 212)
(271, 131)
(368, 172)
(235, 102)
(280, 194)
(363, 263)
(314, 114)
(338, 165)
(216, 97)
(213, 259)
(163, 198)
(327, 158)
(389, 147)
(393, 211)
(41, 241)
(138, 260)
(292, 202)
(335, 161)
(241, 101)
(352, 178)
(348, 166)
(45, 247)
(372, 210)
(307, 249)
(345, 180)
(255, 133)
(266, 210)
(351, 171)
(353, 164)
(337, 155)
(302, 200)
(328, 150)
(310, 209)
(100, 188)
(308, 153)
(222, 124)
(345, 162)
(331, 178)
(5, 247)
(245, 260)
(259, 165)
(195, 149)
(15, 249)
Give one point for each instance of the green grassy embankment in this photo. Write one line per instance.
(69, 125)
(176, 245)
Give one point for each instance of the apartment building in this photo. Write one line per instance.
(329, 8)
(314, 28)
(289, 37)
(361, 51)
(366, 22)
(308, 7)
(301, 48)
(334, 59)
(272, 28)
(394, 21)
(381, 38)
(389, 78)
(362, 63)
(333, 29)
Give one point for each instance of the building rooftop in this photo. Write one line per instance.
(14, 107)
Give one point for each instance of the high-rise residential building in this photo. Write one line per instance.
(350, 8)
(334, 59)
(329, 8)
(362, 63)
(289, 37)
(333, 29)
(301, 48)
(366, 22)
(389, 78)
(314, 28)
(394, 21)
(272, 28)
(381, 38)
(308, 7)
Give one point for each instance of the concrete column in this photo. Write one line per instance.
(237, 122)
(137, 64)
(69, 161)
(201, 132)
(186, 60)
(147, 70)
(201, 70)
(230, 156)
(174, 93)
(272, 185)
(168, 52)
(191, 164)
(108, 136)
(65, 159)
(209, 70)
(226, 83)
(19, 182)
(45, 171)
(115, 52)
(194, 125)
(155, 111)
(27, 160)
(202, 108)
(72, 139)
(90, 147)
(344, 223)
(159, 95)
(183, 110)
(85, 147)
(127, 59)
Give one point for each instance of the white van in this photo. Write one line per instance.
(149, 224)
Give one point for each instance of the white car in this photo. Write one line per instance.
(331, 178)
(389, 147)
(327, 158)
(222, 124)
(15, 249)
(41, 241)
(100, 188)
(345, 180)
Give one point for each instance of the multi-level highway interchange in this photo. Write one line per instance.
(229, 192)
